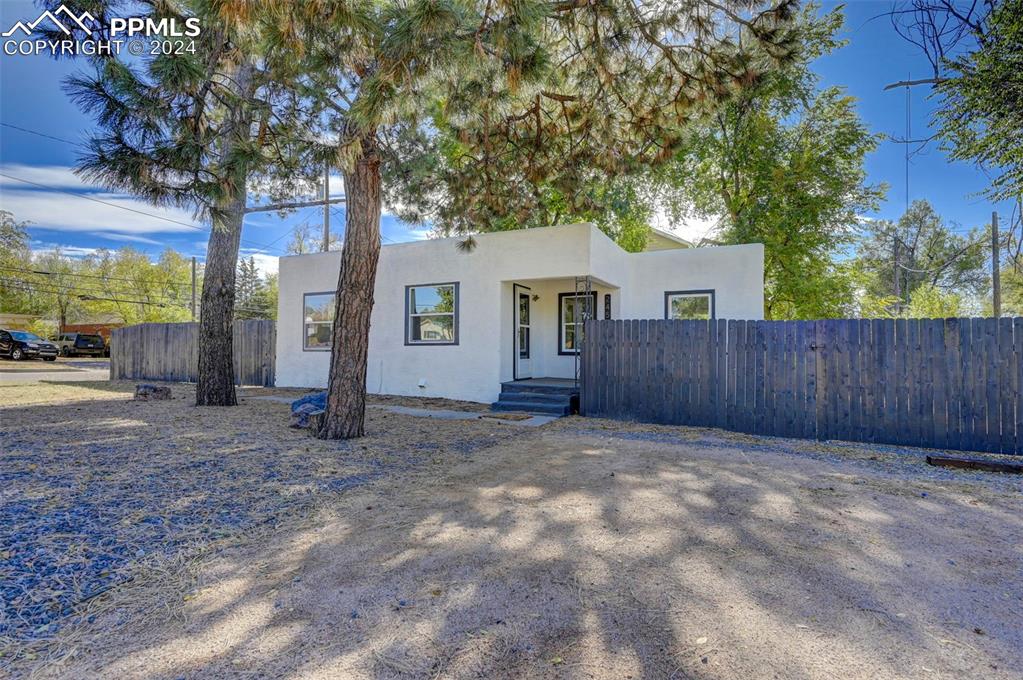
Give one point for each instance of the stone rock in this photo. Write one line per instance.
(145, 392)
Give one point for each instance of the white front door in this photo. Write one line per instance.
(523, 362)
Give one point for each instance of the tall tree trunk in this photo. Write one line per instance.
(215, 383)
(345, 415)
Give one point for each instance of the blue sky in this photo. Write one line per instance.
(31, 97)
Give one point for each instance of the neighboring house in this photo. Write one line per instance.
(457, 324)
(19, 322)
(101, 328)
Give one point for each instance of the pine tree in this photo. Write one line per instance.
(194, 130)
(483, 108)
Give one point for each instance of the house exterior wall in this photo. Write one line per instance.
(735, 273)
(546, 260)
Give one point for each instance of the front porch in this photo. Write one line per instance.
(550, 396)
(541, 324)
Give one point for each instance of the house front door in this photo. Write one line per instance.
(523, 361)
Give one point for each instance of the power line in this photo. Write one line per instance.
(76, 289)
(79, 144)
(263, 246)
(88, 297)
(103, 277)
(43, 134)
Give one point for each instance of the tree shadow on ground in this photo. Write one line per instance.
(557, 553)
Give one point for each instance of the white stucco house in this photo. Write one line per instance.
(459, 324)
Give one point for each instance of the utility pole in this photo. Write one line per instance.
(326, 207)
(898, 278)
(996, 275)
(193, 288)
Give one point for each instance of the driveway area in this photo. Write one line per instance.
(63, 369)
(579, 549)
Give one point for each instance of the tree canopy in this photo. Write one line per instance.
(474, 114)
(782, 164)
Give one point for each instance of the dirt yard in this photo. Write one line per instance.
(579, 549)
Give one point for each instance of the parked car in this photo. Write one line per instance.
(20, 345)
(76, 344)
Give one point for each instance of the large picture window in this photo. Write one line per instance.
(689, 304)
(570, 319)
(431, 314)
(318, 319)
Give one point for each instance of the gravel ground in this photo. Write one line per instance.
(96, 488)
(584, 548)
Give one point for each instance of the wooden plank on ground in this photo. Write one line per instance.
(976, 464)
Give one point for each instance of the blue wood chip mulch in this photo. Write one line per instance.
(77, 516)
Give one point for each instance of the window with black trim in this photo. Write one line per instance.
(318, 320)
(689, 304)
(570, 319)
(431, 314)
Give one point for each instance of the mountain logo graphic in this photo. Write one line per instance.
(69, 20)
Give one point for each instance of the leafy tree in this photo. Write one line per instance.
(1012, 292)
(195, 130)
(125, 285)
(304, 241)
(931, 255)
(479, 112)
(270, 295)
(15, 259)
(931, 302)
(975, 52)
(981, 117)
(60, 285)
(782, 165)
(252, 297)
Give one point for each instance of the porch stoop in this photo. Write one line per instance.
(550, 396)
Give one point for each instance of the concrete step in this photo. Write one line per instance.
(541, 388)
(531, 407)
(538, 397)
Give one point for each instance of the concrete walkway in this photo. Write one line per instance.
(61, 370)
(442, 414)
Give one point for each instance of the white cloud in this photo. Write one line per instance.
(53, 209)
(39, 248)
(267, 264)
(57, 176)
(126, 237)
(691, 228)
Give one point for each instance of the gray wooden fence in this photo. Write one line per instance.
(170, 351)
(940, 383)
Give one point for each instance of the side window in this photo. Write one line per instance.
(689, 304)
(318, 320)
(570, 319)
(431, 314)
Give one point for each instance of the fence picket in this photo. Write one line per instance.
(947, 383)
(170, 352)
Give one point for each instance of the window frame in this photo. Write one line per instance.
(305, 336)
(561, 320)
(704, 292)
(409, 342)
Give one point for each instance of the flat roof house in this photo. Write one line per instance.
(448, 323)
